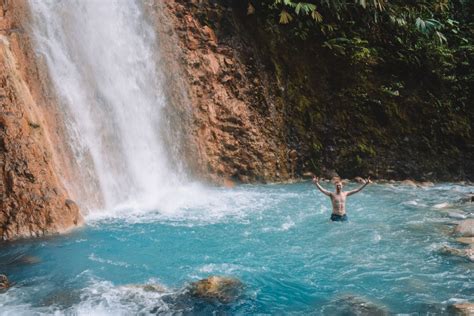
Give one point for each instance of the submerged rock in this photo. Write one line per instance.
(157, 288)
(223, 289)
(63, 298)
(457, 215)
(463, 253)
(356, 305)
(462, 309)
(465, 228)
(441, 205)
(4, 283)
(26, 260)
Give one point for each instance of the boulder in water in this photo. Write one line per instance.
(4, 283)
(465, 228)
(359, 180)
(462, 309)
(426, 184)
(409, 183)
(228, 183)
(466, 240)
(220, 288)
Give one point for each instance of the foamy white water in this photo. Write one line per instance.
(102, 58)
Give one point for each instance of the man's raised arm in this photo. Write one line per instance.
(360, 188)
(316, 183)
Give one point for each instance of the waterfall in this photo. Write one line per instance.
(103, 61)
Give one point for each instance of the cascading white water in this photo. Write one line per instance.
(102, 59)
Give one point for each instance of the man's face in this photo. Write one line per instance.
(338, 186)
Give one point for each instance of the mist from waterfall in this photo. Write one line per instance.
(102, 57)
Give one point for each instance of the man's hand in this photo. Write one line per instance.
(368, 181)
(315, 180)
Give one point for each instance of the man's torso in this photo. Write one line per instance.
(338, 203)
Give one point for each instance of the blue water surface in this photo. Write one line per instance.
(277, 239)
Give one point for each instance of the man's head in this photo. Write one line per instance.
(338, 186)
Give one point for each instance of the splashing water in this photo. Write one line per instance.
(102, 57)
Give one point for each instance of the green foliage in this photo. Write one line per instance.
(398, 73)
(433, 36)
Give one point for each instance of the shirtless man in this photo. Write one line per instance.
(338, 198)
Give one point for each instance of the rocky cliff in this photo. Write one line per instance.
(268, 107)
(33, 199)
(237, 129)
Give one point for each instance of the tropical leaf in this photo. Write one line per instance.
(440, 38)
(285, 17)
(298, 8)
(420, 25)
(304, 7)
(316, 16)
(441, 6)
(379, 4)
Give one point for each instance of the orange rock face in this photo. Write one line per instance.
(33, 201)
(237, 128)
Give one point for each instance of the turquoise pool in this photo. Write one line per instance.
(276, 239)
